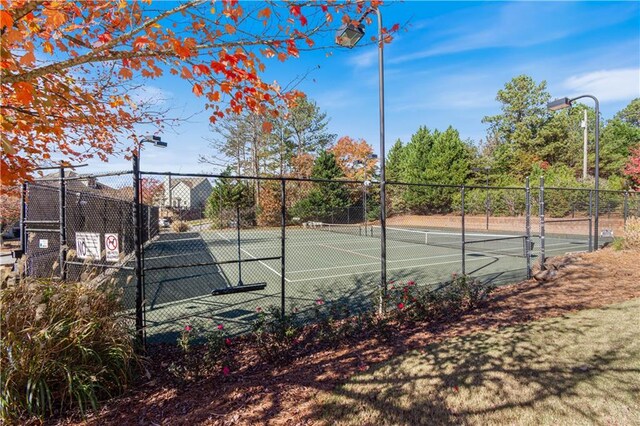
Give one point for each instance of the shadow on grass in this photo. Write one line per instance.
(584, 368)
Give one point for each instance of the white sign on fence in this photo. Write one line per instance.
(112, 247)
(43, 243)
(88, 245)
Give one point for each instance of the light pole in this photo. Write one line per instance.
(348, 36)
(565, 103)
(585, 138)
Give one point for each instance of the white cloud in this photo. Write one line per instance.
(364, 59)
(335, 99)
(620, 84)
(509, 25)
(150, 95)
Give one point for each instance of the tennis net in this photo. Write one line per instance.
(513, 245)
(337, 228)
(501, 244)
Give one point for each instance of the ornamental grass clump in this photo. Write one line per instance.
(179, 226)
(632, 233)
(63, 346)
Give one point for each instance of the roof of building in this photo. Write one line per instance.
(190, 182)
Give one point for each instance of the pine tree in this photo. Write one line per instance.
(325, 198)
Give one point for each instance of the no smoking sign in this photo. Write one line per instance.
(112, 247)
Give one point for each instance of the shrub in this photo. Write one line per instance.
(274, 332)
(337, 321)
(213, 355)
(179, 226)
(618, 243)
(63, 346)
(411, 302)
(632, 233)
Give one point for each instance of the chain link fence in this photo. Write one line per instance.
(189, 248)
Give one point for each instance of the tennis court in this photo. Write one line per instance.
(327, 263)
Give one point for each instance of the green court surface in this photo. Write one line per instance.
(320, 266)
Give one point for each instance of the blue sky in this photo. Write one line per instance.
(445, 69)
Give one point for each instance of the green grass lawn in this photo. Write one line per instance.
(573, 370)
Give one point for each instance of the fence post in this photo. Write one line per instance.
(625, 212)
(23, 218)
(138, 252)
(364, 205)
(541, 208)
(62, 199)
(590, 220)
(527, 222)
(464, 269)
(283, 226)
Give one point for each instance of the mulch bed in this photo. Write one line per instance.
(284, 393)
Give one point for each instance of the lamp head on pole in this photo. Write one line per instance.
(156, 140)
(558, 104)
(348, 35)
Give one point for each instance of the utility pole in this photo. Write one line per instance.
(585, 128)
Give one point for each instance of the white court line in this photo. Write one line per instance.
(389, 269)
(348, 251)
(254, 257)
(457, 254)
(392, 247)
(377, 263)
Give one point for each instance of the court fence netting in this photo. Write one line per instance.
(216, 249)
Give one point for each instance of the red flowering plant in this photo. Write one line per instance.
(213, 352)
(189, 366)
(405, 301)
(217, 347)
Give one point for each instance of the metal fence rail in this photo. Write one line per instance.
(216, 248)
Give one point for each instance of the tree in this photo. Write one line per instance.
(434, 157)
(560, 140)
(324, 198)
(559, 203)
(514, 132)
(67, 69)
(253, 149)
(152, 191)
(308, 127)
(9, 209)
(355, 158)
(631, 113)
(226, 196)
(618, 139)
(632, 168)
(395, 161)
(394, 172)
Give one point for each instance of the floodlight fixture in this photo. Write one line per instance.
(348, 35)
(155, 140)
(559, 104)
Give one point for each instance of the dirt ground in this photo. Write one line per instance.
(508, 224)
(259, 393)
